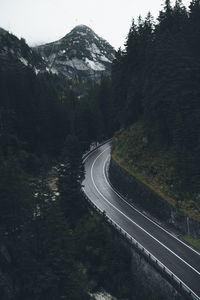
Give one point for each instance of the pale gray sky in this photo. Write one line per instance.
(42, 21)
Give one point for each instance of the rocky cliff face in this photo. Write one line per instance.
(79, 54)
(15, 52)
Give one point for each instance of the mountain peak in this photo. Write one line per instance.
(80, 30)
(80, 53)
(81, 26)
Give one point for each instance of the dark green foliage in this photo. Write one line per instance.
(57, 250)
(105, 105)
(71, 173)
(107, 260)
(53, 244)
(156, 80)
(95, 118)
(31, 113)
(15, 198)
(44, 263)
(38, 111)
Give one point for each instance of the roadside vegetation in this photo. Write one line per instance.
(192, 241)
(51, 246)
(155, 83)
(153, 166)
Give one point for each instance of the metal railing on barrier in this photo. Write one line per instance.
(139, 247)
(145, 252)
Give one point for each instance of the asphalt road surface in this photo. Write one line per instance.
(180, 259)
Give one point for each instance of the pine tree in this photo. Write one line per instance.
(45, 262)
(15, 198)
(71, 174)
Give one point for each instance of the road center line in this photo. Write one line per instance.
(105, 177)
(131, 219)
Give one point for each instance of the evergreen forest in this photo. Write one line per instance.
(156, 99)
(52, 246)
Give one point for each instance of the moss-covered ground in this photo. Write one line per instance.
(192, 241)
(153, 166)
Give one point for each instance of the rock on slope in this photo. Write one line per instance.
(79, 54)
(15, 52)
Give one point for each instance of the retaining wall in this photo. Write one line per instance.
(140, 195)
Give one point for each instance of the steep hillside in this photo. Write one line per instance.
(15, 52)
(155, 81)
(154, 166)
(46, 242)
(80, 53)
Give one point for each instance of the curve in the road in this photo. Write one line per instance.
(123, 214)
(178, 257)
(162, 228)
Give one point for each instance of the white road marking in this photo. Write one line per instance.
(138, 210)
(132, 220)
(175, 276)
(142, 213)
(184, 285)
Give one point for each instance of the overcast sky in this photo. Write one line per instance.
(41, 21)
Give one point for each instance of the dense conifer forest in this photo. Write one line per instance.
(155, 83)
(51, 245)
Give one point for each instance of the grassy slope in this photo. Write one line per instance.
(152, 166)
(192, 241)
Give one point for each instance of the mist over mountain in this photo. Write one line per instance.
(79, 54)
(15, 52)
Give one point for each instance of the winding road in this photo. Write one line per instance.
(179, 258)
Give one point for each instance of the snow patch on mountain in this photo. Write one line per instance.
(94, 49)
(36, 70)
(51, 58)
(79, 53)
(95, 65)
(103, 296)
(15, 53)
(24, 61)
(103, 58)
(77, 64)
(53, 70)
(82, 33)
